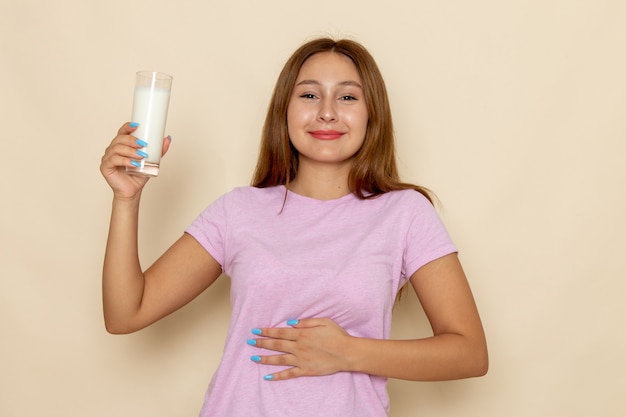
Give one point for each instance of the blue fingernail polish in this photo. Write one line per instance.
(135, 163)
(256, 331)
(141, 143)
(134, 124)
(142, 154)
(292, 322)
(268, 377)
(251, 342)
(255, 358)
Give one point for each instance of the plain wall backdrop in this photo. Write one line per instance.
(512, 112)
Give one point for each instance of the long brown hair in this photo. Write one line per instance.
(374, 170)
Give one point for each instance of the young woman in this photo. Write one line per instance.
(317, 250)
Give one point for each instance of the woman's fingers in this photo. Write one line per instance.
(286, 374)
(122, 150)
(309, 347)
(125, 150)
(280, 360)
(125, 137)
(127, 128)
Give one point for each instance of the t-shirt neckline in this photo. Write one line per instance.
(292, 194)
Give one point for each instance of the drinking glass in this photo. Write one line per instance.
(150, 104)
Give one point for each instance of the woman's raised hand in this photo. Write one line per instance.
(121, 153)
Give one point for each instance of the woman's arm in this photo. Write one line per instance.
(133, 299)
(456, 350)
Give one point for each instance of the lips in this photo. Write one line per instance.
(326, 134)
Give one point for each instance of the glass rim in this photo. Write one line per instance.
(154, 75)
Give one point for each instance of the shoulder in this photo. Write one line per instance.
(411, 208)
(251, 199)
(243, 202)
(256, 194)
(407, 199)
(249, 193)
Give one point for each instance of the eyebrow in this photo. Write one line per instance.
(343, 83)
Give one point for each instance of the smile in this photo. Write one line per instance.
(326, 134)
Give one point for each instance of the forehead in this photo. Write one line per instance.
(329, 65)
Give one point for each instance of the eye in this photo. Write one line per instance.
(348, 98)
(309, 96)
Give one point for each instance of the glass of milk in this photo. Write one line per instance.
(152, 97)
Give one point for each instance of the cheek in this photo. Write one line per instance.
(358, 118)
(359, 123)
(298, 118)
(294, 114)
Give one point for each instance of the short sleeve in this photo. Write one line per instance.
(209, 229)
(427, 238)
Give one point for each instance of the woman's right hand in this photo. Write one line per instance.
(122, 150)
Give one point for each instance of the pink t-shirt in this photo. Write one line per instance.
(342, 259)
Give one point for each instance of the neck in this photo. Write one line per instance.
(323, 184)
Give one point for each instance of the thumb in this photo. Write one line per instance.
(167, 141)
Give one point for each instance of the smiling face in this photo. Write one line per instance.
(327, 114)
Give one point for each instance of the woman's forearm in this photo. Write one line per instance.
(122, 277)
(438, 358)
(318, 346)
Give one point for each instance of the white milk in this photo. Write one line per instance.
(150, 111)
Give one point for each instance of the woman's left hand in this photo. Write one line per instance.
(312, 347)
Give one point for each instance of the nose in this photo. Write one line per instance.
(327, 112)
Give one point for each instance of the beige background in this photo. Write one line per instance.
(513, 112)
